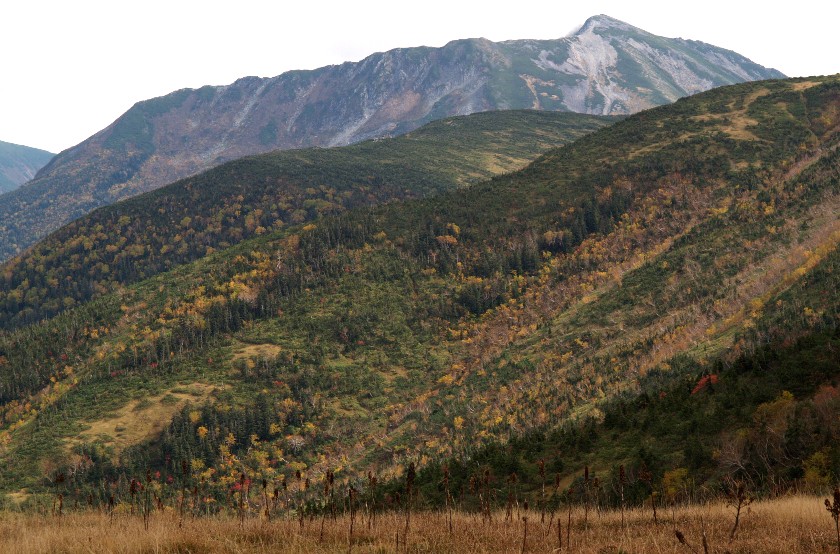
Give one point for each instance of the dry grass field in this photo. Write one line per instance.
(791, 525)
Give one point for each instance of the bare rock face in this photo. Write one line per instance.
(608, 67)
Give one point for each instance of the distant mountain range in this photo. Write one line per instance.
(19, 164)
(607, 67)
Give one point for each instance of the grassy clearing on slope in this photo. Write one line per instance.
(141, 419)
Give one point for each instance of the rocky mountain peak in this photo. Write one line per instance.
(602, 21)
(608, 67)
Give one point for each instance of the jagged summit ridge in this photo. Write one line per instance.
(603, 21)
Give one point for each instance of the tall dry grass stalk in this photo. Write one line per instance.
(569, 522)
(705, 539)
(328, 501)
(541, 469)
(373, 481)
(586, 485)
(834, 510)
(682, 540)
(484, 497)
(242, 492)
(739, 499)
(646, 477)
(554, 493)
(622, 480)
(410, 475)
(445, 470)
(351, 499)
(524, 527)
(511, 483)
(147, 499)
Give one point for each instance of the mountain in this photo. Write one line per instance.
(730, 419)
(19, 164)
(608, 67)
(153, 232)
(692, 239)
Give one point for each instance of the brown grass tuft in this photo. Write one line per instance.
(794, 525)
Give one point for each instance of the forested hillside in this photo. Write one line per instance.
(766, 416)
(691, 240)
(143, 236)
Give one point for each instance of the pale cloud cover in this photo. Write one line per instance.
(71, 67)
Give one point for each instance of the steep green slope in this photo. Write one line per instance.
(766, 418)
(143, 236)
(419, 330)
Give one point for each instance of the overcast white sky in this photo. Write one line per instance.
(70, 67)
